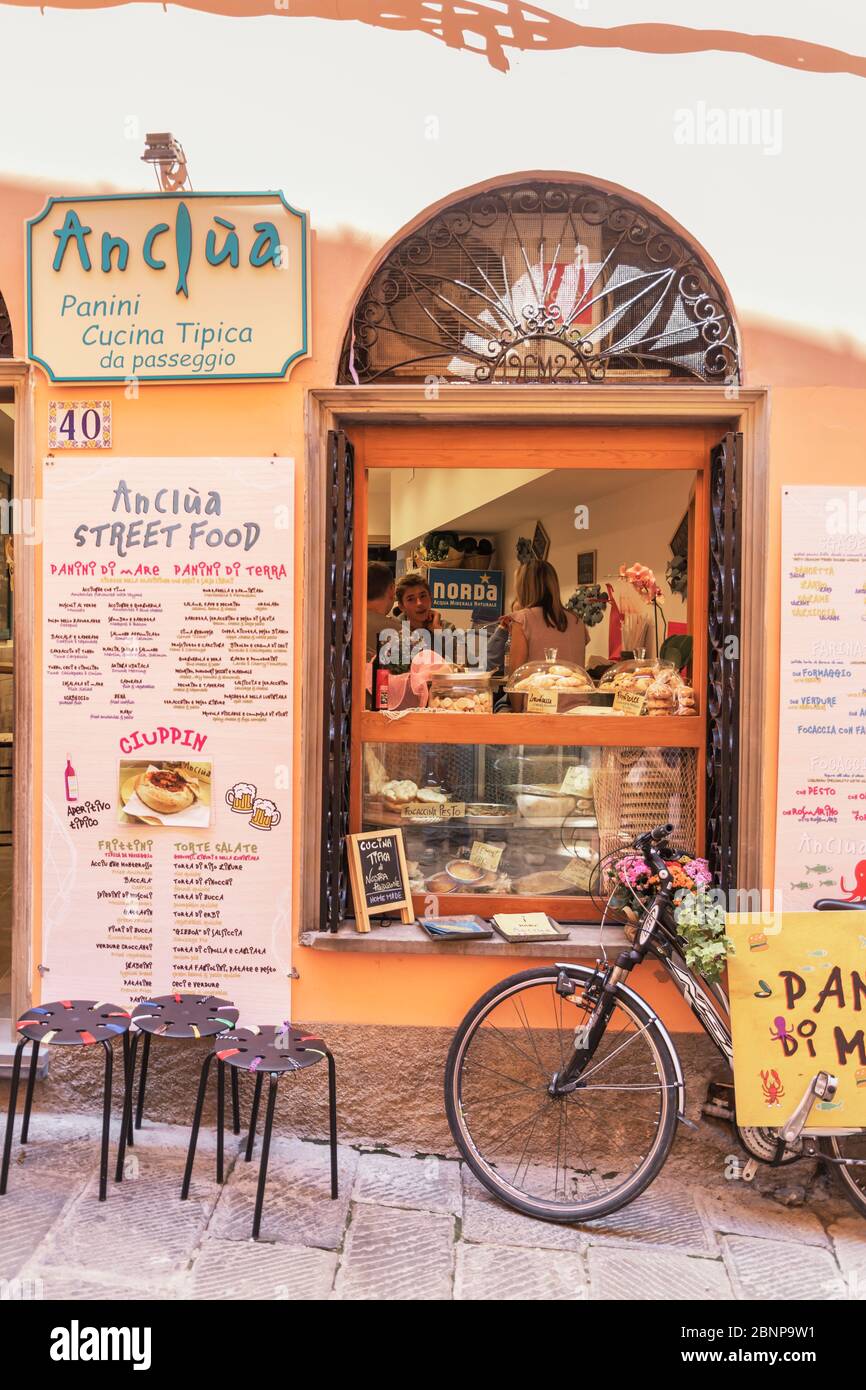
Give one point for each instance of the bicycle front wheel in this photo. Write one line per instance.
(560, 1158)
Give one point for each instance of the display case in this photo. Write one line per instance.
(491, 821)
(549, 686)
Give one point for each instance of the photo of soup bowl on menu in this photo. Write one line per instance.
(164, 793)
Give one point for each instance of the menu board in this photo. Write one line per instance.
(379, 876)
(167, 641)
(821, 813)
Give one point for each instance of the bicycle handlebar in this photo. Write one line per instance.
(653, 837)
(646, 845)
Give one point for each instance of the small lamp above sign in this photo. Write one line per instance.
(169, 161)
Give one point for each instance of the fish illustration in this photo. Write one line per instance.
(819, 869)
(763, 991)
(862, 940)
(829, 1105)
(827, 883)
(803, 886)
(819, 954)
(807, 970)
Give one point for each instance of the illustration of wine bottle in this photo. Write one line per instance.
(71, 782)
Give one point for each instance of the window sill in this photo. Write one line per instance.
(582, 943)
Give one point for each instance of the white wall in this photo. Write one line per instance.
(630, 526)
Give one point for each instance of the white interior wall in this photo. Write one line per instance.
(632, 525)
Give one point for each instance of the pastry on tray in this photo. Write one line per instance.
(397, 794)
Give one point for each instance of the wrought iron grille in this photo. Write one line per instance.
(5, 330)
(723, 664)
(339, 514)
(542, 283)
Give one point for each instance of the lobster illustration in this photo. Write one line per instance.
(772, 1088)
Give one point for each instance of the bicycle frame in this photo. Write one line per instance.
(656, 935)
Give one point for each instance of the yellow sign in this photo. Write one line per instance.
(798, 1006)
(629, 702)
(168, 287)
(542, 702)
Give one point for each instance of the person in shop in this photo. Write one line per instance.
(380, 601)
(415, 605)
(539, 621)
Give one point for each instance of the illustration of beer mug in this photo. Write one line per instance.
(265, 814)
(241, 797)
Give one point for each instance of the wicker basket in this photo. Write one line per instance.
(636, 789)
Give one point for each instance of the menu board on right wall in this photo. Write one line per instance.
(821, 812)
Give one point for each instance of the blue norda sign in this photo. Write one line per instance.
(481, 590)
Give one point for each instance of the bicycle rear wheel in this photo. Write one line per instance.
(567, 1158)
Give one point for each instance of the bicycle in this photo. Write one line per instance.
(564, 1090)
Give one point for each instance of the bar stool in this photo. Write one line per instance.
(262, 1051)
(73, 1023)
(185, 1017)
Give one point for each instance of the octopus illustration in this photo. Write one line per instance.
(857, 894)
(771, 1085)
(781, 1034)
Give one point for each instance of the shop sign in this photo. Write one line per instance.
(168, 287)
(167, 707)
(79, 424)
(797, 1008)
(821, 815)
(480, 590)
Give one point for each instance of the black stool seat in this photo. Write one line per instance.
(73, 1023)
(271, 1049)
(185, 1016)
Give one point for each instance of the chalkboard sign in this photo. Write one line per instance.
(379, 876)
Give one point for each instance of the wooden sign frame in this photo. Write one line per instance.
(363, 913)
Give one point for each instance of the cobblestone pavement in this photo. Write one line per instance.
(404, 1227)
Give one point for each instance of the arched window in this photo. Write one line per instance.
(542, 282)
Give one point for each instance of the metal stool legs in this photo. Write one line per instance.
(196, 1126)
(266, 1149)
(28, 1103)
(28, 1099)
(236, 1108)
(254, 1115)
(106, 1120)
(126, 1117)
(142, 1084)
(10, 1117)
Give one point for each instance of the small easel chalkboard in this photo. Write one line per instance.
(379, 876)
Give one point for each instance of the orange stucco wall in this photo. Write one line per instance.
(817, 433)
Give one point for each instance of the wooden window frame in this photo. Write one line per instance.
(717, 408)
(26, 784)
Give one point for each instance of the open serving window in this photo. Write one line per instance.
(512, 751)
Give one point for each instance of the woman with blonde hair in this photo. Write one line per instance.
(540, 621)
